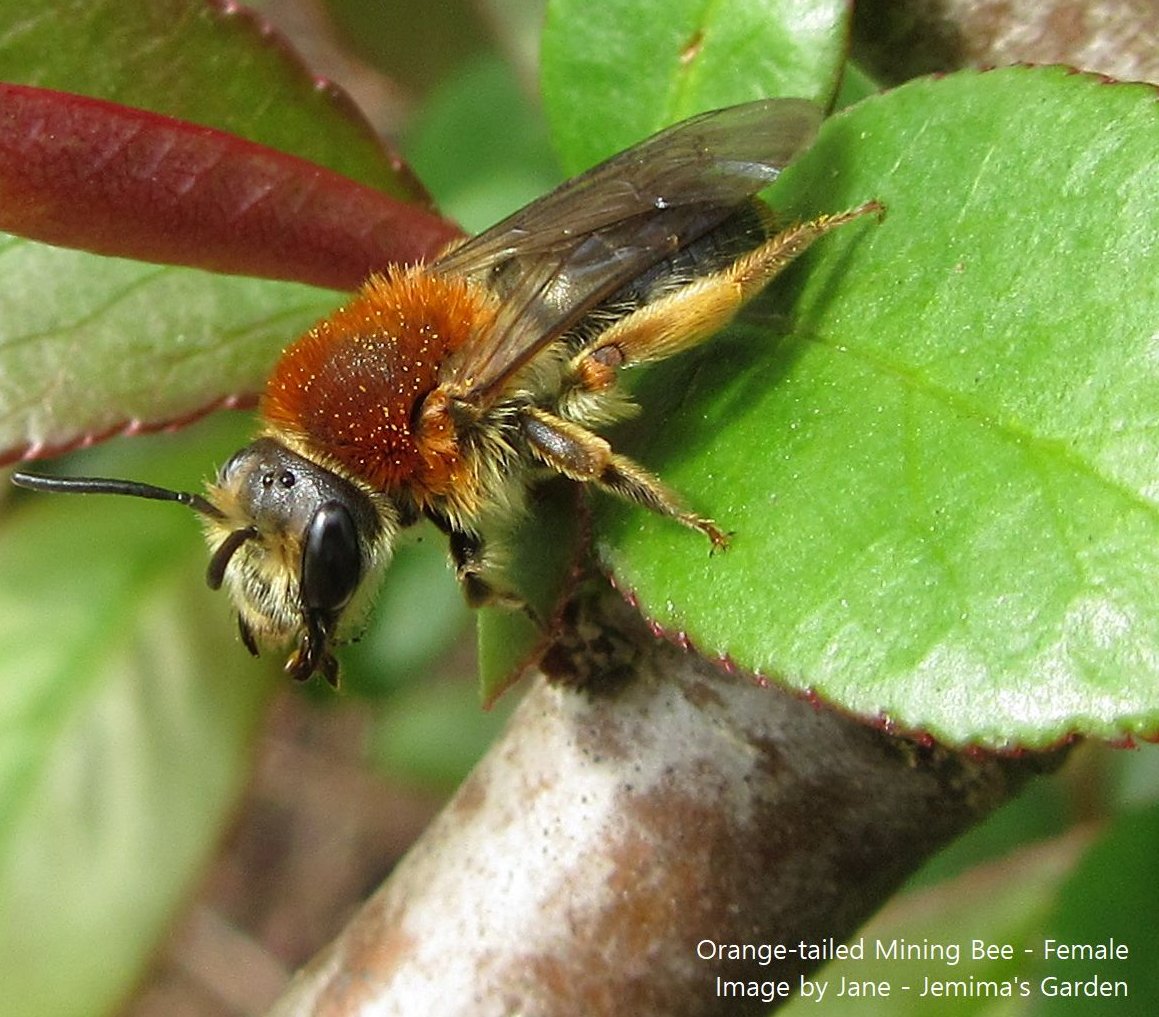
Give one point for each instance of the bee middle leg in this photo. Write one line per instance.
(575, 452)
(469, 555)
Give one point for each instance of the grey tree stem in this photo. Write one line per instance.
(611, 831)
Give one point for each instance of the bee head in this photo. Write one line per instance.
(298, 547)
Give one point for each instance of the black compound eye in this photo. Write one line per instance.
(331, 559)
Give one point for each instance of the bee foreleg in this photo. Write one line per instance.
(575, 452)
(247, 637)
(313, 653)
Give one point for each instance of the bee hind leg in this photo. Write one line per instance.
(686, 316)
(676, 320)
(573, 451)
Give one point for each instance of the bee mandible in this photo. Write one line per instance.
(439, 390)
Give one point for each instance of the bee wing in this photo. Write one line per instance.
(553, 261)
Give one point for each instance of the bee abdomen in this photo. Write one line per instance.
(750, 225)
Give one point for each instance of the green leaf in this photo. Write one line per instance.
(541, 555)
(616, 72)
(943, 478)
(418, 615)
(479, 174)
(1112, 895)
(216, 64)
(92, 345)
(127, 708)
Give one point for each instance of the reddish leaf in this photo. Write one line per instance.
(81, 172)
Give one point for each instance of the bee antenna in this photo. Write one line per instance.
(103, 485)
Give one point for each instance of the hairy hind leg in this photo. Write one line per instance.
(687, 316)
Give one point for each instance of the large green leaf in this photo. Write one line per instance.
(943, 477)
(127, 708)
(617, 71)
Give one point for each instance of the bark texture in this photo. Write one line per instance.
(613, 829)
(897, 41)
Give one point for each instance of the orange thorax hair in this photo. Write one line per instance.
(349, 391)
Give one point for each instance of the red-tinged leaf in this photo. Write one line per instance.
(215, 62)
(84, 173)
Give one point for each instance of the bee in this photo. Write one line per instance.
(440, 390)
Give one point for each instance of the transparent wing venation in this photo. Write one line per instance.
(554, 260)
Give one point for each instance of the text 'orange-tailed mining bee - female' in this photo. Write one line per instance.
(439, 390)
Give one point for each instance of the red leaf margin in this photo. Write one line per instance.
(110, 179)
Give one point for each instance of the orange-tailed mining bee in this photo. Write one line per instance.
(441, 389)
